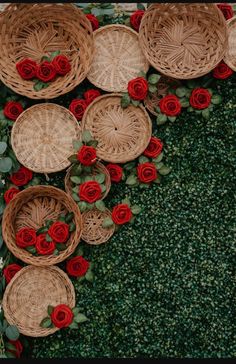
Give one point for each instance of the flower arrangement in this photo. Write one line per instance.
(78, 106)
(122, 213)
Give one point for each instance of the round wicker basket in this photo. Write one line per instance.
(31, 208)
(230, 55)
(118, 58)
(122, 134)
(29, 294)
(183, 41)
(93, 233)
(42, 137)
(36, 30)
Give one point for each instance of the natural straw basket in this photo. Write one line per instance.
(93, 233)
(29, 294)
(31, 208)
(118, 58)
(42, 137)
(183, 41)
(35, 30)
(122, 134)
(99, 168)
(230, 55)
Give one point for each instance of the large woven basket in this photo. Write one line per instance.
(35, 30)
(122, 134)
(29, 294)
(230, 55)
(183, 41)
(31, 208)
(118, 58)
(42, 137)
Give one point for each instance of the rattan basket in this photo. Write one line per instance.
(183, 41)
(29, 294)
(118, 58)
(122, 134)
(230, 55)
(42, 137)
(35, 30)
(31, 208)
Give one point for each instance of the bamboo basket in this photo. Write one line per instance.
(230, 55)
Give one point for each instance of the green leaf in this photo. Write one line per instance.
(61, 218)
(172, 118)
(143, 159)
(136, 209)
(126, 201)
(153, 79)
(184, 102)
(100, 178)
(93, 143)
(125, 100)
(216, 99)
(48, 238)
(54, 54)
(79, 318)
(141, 74)
(75, 179)
(73, 325)
(73, 158)
(3, 147)
(190, 109)
(10, 355)
(89, 276)
(158, 158)
(56, 252)
(75, 197)
(140, 6)
(49, 223)
(39, 85)
(152, 89)
(206, 113)
(180, 91)
(10, 346)
(69, 217)
(31, 249)
(61, 247)
(107, 222)
(82, 206)
(161, 119)
(191, 83)
(72, 227)
(75, 311)
(159, 165)
(46, 323)
(86, 136)
(77, 144)
(157, 180)
(12, 332)
(129, 166)
(100, 205)
(5, 164)
(42, 230)
(131, 180)
(103, 187)
(50, 309)
(79, 251)
(135, 102)
(164, 170)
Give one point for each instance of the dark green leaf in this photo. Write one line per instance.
(129, 166)
(73, 158)
(72, 227)
(69, 217)
(50, 309)
(42, 230)
(140, 6)
(61, 246)
(31, 249)
(12, 332)
(46, 323)
(125, 100)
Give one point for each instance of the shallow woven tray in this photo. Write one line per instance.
(122, 134)
(183, 41)
(35, 30)
(42, 137)
(230, 55)
(30, 292)
(118, 58)
(30, 208)
(93, 233)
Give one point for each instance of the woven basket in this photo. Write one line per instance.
(42, 137)
(122, 134)
(31, 208)
(93, 233)
(230, 55)
(35, 30)
(29, 294)
(99, 168)
(118, 58)
(183, 41)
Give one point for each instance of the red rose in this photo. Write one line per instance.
(222, 71)
(154, 148)
(78, 107)
(91, 95)
(227, 10)
(59, 232)
(27, 68)
(200, 98)
(77, 266)
(146, 172)
(61, 64)
(116, 172)
(10, 270)
(87, 155)
(18, 348)
(138, 88)
(170, 105)
(46, 71)
(9, 194)
(121, 214)
(25, 237)
(93, 20)
(90, 191)
(135, 19)
(62, 316)
(12, 110)
(44, 247)
(21, 177)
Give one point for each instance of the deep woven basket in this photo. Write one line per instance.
(230, 55)
(183, 41)
(31, 208)
(42, 137)
(35, 30)
(122, 134)
(29, 294)
(118, 58)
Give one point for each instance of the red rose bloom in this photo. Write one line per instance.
(27, 68)
(46, 71)
(61, 64)
(121, 214)
(62, 316)
(77, 266)
(138, 88)
(12, 110)
(18, 348)
(146, 172)
(170, 105)
(59, 232)
(10, 270)
(154, 148)
(90, 191)
(87, 155)
(78, 107)
(222, 71)
(9, 194)
(200, 98)
(227, 10)
(21, 177)
(44, 247)
(116, 172)
(135, 19)
(93, 20)
(25, 237)
(91, 95)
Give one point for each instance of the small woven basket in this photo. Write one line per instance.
(31, 208)
(118, 58)
(122, 134)
(29, 294)
(42, 137)
(183, 41)
(230, 55)
(36, 30)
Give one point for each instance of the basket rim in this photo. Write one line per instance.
(230, 23)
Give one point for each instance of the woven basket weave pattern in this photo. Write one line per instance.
(230, 55)
(93, 233)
